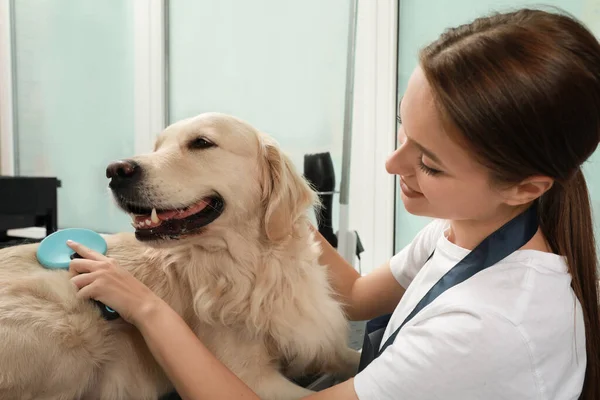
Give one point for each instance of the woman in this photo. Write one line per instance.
(497, 118)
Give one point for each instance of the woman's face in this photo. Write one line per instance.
(438, 177)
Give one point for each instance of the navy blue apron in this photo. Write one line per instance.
(497, 246)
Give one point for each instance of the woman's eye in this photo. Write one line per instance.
(200, 143)
(428, 170)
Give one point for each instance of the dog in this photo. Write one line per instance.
(222, 234)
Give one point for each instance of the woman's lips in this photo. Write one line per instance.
(408, 192)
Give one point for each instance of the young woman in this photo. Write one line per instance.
(498, 117)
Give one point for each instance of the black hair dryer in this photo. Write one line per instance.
(318, 170)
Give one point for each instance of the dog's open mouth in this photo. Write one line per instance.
(153, 224)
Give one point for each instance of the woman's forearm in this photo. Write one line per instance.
(194, 371)
(363, 297)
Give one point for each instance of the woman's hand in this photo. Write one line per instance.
(101, 278)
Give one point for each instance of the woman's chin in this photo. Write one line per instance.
(416, 205)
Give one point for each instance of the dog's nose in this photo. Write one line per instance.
(123, 170)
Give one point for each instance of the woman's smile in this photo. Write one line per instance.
(408, 191)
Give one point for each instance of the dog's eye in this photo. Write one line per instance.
(200, 143)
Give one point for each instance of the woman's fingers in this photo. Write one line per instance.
(82, 266)
(88, 291)
(84, 280)
(85, 252)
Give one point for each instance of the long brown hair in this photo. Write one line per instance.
(523, 89)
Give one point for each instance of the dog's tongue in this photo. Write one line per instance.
(171, 214)
(179, 214)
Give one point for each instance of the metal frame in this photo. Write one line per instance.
(8, 148)
(397, 112)
(150, 66)
(386, 111)
(372, 189)
(346, 237)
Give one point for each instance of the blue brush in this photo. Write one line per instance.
(53, 253)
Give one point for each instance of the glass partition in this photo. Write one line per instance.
(74, 101)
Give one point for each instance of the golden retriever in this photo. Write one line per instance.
(222, 234)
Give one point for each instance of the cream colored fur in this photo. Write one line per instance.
(250, 285)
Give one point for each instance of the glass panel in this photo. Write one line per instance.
(74, 101)
(279, 65)
(422, 21)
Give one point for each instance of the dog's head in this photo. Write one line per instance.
(208, 171)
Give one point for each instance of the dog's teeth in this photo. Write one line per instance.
(154, 217)
(148, 222)
(133, 218)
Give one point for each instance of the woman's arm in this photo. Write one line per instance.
(194, 371)
(365, 297)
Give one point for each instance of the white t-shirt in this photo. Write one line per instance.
(513, 331)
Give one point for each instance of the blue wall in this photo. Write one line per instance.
(74, 101)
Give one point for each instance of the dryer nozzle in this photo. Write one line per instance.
(318, 170)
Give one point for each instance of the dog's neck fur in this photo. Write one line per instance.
(221, 277)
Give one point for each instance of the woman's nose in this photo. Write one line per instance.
(398, 163)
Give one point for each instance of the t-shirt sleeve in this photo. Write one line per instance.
(458, 354)
(408, 262)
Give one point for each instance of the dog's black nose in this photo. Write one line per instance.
(123, 170)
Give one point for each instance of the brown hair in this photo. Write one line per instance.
(523, 89)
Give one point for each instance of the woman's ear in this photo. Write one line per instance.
(529, 190)
(286, 194)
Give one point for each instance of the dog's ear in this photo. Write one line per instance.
(286, 195)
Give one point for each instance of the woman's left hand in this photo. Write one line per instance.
(101, 278)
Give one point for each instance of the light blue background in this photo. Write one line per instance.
(281, 65)
(74, 101)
